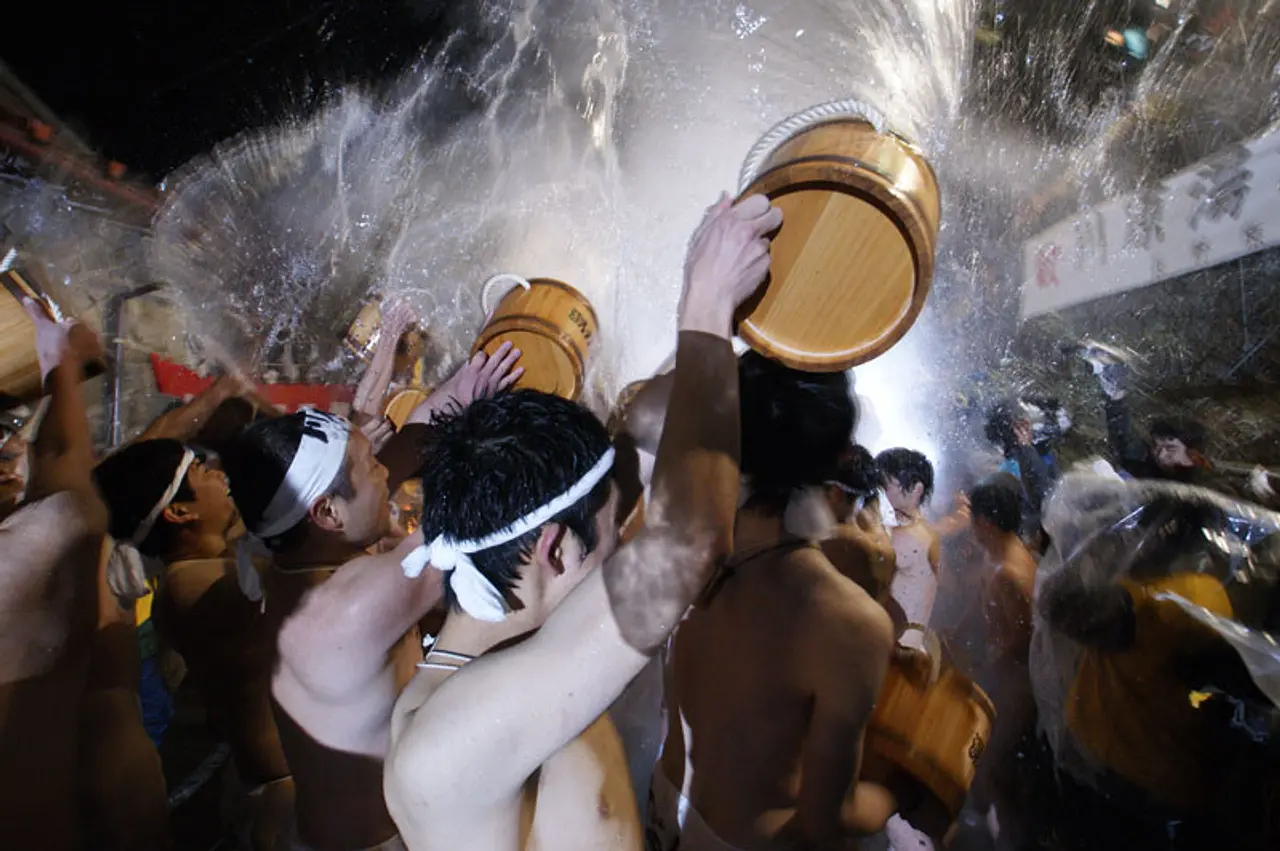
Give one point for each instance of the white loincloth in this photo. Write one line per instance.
(903, 837)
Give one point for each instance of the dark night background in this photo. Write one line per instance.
(152, 84)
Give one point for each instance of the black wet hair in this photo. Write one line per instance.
(132, 481)
(1189, 431)
(499, 458)
(998, 500)
(795, 427)
(858, 472)
(908, 467)
(256, 463)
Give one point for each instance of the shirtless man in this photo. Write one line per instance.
(510, 751)
(776, 670)
(343, 624)
(858, 545)
(1007, 593)
(49, 550)
(908, 483)
(170, 506)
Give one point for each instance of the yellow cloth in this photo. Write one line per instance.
(142, 608)
(1133, 713)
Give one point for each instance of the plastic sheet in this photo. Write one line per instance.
(1155, 661)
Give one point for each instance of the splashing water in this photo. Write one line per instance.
(581, 139)
(583, 151)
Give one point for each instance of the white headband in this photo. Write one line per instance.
(475, 593)
(320, 457)
(148, 523)
(128, 570)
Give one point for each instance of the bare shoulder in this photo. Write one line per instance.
(53, 522)
(837, 610)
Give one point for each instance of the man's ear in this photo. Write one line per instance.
(549, 549)
(917, 491)
(180, 513)
(326, 515)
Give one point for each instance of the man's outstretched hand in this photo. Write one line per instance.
(479, 377)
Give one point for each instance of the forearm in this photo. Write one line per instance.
(377, 378)
(184, 423)
(63, 451)
(404, 455)
(689, 524)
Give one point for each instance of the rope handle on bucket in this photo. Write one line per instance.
(785, 129)
(502, 277)
(932, 647)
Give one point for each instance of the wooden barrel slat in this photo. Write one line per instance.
(402, 404)
(853, 262)
(934, 735)
(20, 378)
(552, 324)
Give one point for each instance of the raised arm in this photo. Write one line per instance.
(542, 693)
(185, 422)
(372, 389)
(62, 457)
(480, 376)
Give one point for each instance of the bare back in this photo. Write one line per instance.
(744, 696)
(48, 564)
(335, 748)
(581, 799)
(222, 636)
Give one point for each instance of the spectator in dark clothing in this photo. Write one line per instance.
(1176, 449)
(1009, 428)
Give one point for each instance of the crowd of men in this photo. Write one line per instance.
(773, 575)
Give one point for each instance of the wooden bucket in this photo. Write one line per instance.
(21, 379)
(402, 404)
(853, 260)
(552, 324)
(362, 335)
(933, 735)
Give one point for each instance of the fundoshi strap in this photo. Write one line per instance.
(475, 593)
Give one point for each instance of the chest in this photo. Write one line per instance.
(582, 797)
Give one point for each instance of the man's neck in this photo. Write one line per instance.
(318, 552)
(908, 516)
(468, 636)
(200, 548)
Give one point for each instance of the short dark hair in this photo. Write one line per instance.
(132, 481)
(496, 460)
(796, 427)
(908, 467)
(857, 472)
(1189, 431)
(998, 500)
(256, 464)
